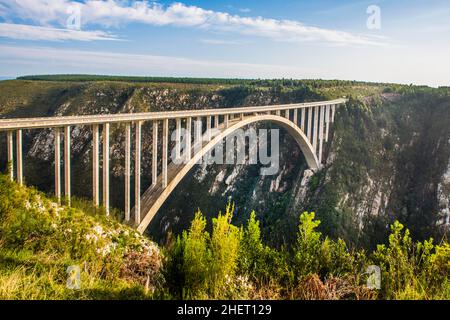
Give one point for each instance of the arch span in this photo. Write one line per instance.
(155, 196)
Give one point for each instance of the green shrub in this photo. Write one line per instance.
(251, 248)
(196, 258)
(410, 270)
(308, 246)
(224, 253)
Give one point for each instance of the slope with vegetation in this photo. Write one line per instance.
(39, 240)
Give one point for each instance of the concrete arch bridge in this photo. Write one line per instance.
(308, 123)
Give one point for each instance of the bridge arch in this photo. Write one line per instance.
(294, 130)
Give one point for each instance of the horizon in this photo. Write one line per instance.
(156, 77)
(401, 42)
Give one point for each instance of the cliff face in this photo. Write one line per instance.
(388, 157)
(387, 162)
(384, 162)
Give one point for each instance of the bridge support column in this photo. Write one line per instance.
(137, 173)
(106, 167)
(278, 112)
(188, 138)
(95, 165)
(127, 171)
(333, 111)
(57, 134)
(19, 157)
(242, 116)
(309, 123)
(327, 122)
(315, 127)
(10, 151)
(296, 117)
(154, 153)
(178, 139)
(67, 183)
(226, 120)
(198, 131)
(216, 121)
(321, 127)
(302, 126)
(287, 114)
(165, 148)
(208, 128)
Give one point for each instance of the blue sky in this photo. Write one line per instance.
(248, 39)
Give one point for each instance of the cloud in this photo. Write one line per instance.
(35, 60)
(114, 13)
(220, 42)
(245, 10)
(28, 32)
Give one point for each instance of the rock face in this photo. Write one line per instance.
(444, 199)
(385, 161)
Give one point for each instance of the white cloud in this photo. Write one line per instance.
(245, 10)
(221, 42)
(115, 13)
(28, 32)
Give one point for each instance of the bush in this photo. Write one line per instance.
(413, 270)
(224, 248)
(205, 265)
(196, 258)
(308, 248)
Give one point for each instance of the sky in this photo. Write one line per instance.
(401, 41)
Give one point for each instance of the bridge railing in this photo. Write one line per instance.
(313, 118)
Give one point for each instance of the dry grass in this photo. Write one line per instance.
(313, 288)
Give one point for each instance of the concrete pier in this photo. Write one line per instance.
(155, 153)
(106, 167)
(320, 128)
(127, 171)
(188, 138)
(95, 165)
(137, 172)
(67, 166)
(10, 152)
(165, 148)
(57, 133)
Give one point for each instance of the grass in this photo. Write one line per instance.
(40, 240)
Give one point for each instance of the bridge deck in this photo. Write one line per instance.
(52, 122)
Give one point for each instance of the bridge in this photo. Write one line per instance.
(307, 123)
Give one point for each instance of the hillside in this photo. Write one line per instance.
(54, 252)
(387, 160)
(40, 240)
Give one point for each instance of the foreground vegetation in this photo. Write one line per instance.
(39, 240)
(233, 263)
